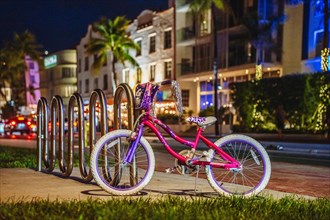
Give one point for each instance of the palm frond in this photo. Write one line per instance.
(112, 38)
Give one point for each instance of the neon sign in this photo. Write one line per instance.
(50, 61)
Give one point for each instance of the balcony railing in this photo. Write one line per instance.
(180, 3)
(186, 33)
(187, 67)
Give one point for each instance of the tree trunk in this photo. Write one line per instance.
(114, 77)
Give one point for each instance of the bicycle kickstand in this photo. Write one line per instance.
(196, 177)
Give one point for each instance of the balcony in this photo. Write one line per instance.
(184, 34)
(187, 67)
(181, 3)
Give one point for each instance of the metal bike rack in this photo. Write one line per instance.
(57, 113)
(124, 88)
(42, 133)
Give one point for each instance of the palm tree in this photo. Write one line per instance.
(12, 70)
(260, 32)
(112, 38)
(199, 7)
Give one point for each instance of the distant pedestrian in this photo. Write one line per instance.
(280, 116)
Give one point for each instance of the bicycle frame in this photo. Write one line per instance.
(149, 121)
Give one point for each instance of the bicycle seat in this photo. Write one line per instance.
(202, 121)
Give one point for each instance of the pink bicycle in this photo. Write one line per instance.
(123, 161)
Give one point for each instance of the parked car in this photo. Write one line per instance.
(2, 127)
(20, 124)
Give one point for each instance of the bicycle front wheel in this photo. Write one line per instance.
(108, 169)
(253, 174)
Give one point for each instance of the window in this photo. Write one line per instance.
(152, 43)
(32, 79)
(205, 24)
(79, 86)
(69, 90)
(50, 75)
(185, 98)
(242, 78)
(318, 42)
(206, 86)
(167, 39)
(96, 83)
(227, 81)
(86, 63)
(79, 65)
(31, 66)
(126, 75)
(68, 72)
(152, 69)
(105, 82)
(138, 52)
(167, 69)
(86, 85)
(138, 75)
(206, 101)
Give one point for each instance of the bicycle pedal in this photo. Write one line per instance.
(205, 157)
(170, 170)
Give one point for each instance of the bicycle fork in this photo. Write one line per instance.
(133, 146)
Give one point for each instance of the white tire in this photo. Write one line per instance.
(115, 177)
(254, 173)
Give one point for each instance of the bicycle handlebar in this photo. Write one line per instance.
(166, 82)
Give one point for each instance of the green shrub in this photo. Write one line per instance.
(304, 98)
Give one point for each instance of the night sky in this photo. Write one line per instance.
(60, 24)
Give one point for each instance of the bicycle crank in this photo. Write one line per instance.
(182, 167)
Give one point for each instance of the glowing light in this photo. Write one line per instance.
(325, 59)
(258, 72)
(50, 61)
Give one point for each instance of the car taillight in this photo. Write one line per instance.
(13, 123)
(28, 123)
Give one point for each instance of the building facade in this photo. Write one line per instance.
(32, 82)
(177, 44)
(59, 76)
(87, 81)
(153, 31)
(293, 46)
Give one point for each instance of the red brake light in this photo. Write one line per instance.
(13, 122)
(28, 123)
(20, 118)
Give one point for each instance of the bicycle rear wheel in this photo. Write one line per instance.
(253, 175)
(108, 169)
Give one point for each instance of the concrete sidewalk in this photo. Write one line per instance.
(20, 184)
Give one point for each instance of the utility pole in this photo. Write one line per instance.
(215, 70)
